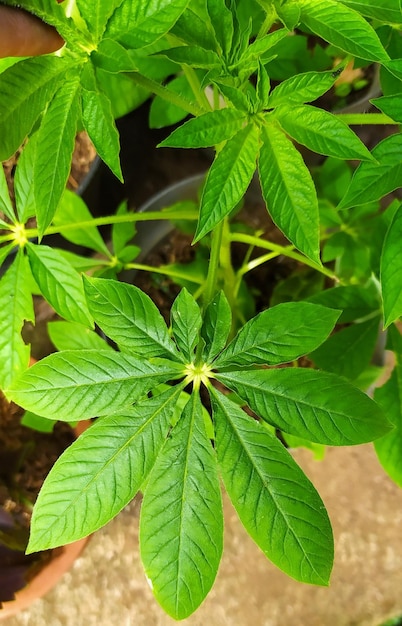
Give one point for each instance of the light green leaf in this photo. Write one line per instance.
(186, 323)
(35, 422)
(113, 57)
(59, 283)
(72, 209)
(301, 88)
(275, 501)
(382, 10)
(73, 336)
(207, 130)
(222, 22)
(389, 397)
(54, 151)
(279, 335)
(5, 203)
(228, 178)
(181, 523)
(96, 13)
(391, 270)
(322, 132)
(138, 24)
(216, 326)
(194, 29)
(192, 56)
(343, 27)
(99, 123)
(288, 13)
(349, 351)
(317, 406)
(25, 89)
(371, 181)
(101, 472)
(80, 384)
(15, 308)
(23, 181)
(390, 105)
(262, 45)
(130, 318)
(289, 191)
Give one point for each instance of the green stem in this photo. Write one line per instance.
(113, 219)
(212, 276)
(267, 23)
(195, 85)
(165, 93)
(165, 271)
(358, 119)
(287, 251)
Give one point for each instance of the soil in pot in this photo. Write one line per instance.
(26, 457)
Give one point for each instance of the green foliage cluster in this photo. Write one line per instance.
(169, 399)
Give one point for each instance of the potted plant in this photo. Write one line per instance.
(166, 425)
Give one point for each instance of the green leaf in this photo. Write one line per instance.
(101, 472)
(258, 48)
(15, 308)
(35, 422)
(181, 523)
(113, 57)
(23, 182)
(228, 178)
(99, 123)
(391, 270)
(222, 22)
(80, 384)
(71, 209)
(279, 335)
(96, 14)
(122, 233)
(389, 397)
(130, 318)
(216, 326)
(371, 181)
(186, 323)
(73, 336)
(194, 29)
(349, 351)
(192, 56)
(390, 105)
(54, 151)
(5, 203)
(302, 88)
(207, 130)
(317, 406)
(382, 10)
(138, 24)
(263, 87)
(59, 283)
(343, 27)
(25, 89)
(289, 191)
(275, 501)
(288, 13)
(353, 300)
(164, 113)
(322, 132)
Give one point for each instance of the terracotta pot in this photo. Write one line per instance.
(47, 577)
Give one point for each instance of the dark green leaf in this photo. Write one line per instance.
(5, 203)
(112, 57)
(222, 22)
(23, 182)
(181, 524)
(194, 29)
(80, 384)
(353, 300)
(344, 28)
(216, 326)
(122, 233)
(228, 178)
(371, 181)
(54, 151)
(349, 351)
(59, 283)
(279, 335)
(317, 406)
(99, 123)
(101, 472)
(130, 318)
(275, 501)
(289, 191)
(288, 13)
(186, 323)
(192, 56)
(391, 270)
(207, 130)
(15, 308)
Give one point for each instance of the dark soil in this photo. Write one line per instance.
(26, 457)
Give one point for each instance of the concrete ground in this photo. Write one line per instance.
(106, 586)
